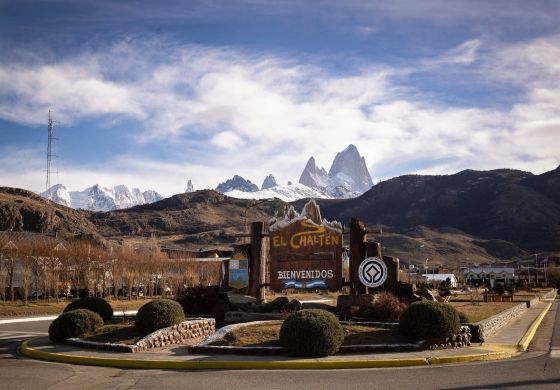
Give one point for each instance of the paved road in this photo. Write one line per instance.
(535, 369)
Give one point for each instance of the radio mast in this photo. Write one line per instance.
(49, 153)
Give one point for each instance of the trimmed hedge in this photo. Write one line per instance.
(95, 304)
(157, 314)
(311, 332)
(430, 320)
(74, 323)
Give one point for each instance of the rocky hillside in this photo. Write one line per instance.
(509, 205)
(203, 216)
(22, 210)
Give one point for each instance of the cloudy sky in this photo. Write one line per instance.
(151, 94)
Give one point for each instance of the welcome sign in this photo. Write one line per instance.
(305, 251)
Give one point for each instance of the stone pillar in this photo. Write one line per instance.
(392, 283)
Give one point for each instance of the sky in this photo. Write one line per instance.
(152, 94)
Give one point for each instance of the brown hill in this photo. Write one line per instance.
(197, 218)
(503, 204)
(22, 210)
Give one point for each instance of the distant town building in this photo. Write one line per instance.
(438, 278)
(489, 276)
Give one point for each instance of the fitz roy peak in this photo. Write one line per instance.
(97, 198)
(348, 177)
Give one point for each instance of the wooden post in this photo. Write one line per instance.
(358, 239)
(259, 250)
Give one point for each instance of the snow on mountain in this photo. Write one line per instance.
(269, 182)
(97, 198)
(347, 178)
(190, 187)
(237, 183)
(312, 176)
(288, 193)
(349, 167)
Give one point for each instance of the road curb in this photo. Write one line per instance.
(528, 336)
(314, 364)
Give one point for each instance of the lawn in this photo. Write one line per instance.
(43, 307)
(262, 335)
(480, 310)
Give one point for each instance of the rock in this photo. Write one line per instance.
(427, 294)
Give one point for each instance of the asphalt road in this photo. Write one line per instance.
(535, 369)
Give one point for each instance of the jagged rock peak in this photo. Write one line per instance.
(269, 182)
(190, 187)
(237, 183)
(349, 163)
(313, 176)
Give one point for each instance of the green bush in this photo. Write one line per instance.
(499, 289)
(200, 300)
(429, 320)
(311, 332)
(95, 304)
(74, 323)
(158, 314)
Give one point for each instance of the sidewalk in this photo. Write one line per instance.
(116, 313)
(501, 345)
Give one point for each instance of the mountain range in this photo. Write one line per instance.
(348, 177)
(97, 198)
(475, 216)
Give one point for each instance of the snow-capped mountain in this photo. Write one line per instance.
(97, 198)
(269, 182)
(347, 178)
(287, 193)
(237, 183)
(190, 187)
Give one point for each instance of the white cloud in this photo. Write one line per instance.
(268, 114)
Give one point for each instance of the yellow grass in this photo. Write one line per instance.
(268, 334)
(480, 310)
(42, 307)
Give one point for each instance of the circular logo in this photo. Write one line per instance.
(372, 272)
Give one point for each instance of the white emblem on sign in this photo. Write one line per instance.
(372, 272)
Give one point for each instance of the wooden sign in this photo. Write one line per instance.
(305, 251)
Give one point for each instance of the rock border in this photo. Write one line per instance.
(191, 329)
(204, 347)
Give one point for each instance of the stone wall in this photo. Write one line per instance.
(482, 329)
(178, 334)
(182, 333)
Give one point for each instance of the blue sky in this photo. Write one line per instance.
(151, 94)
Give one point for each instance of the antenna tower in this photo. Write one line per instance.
(50, 155)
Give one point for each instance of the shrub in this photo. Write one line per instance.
(429, 320)
(499, 288)
(200, 300)
(311, 332)
(386, 307)
(74, 323)
(158, 314)
(95, 304)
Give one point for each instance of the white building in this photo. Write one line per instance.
(438, 278)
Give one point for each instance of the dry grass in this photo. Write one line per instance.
(42, 307)
(122, 333)
(481, 310)
(266, 335)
